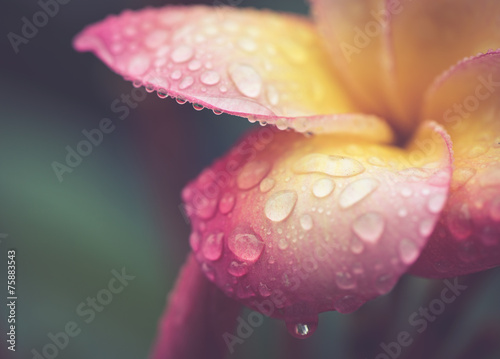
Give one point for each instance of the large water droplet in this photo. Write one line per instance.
(408, 251)
(245, 244)
(246, 79)
(356, 191)
(194, 65)
(210, 78)
(369, 226)
(237, 269)
(323, 187)
(182, 54)
(306, 222)
(252, 173)
(212, 246)
(279, 205)
(331, 165)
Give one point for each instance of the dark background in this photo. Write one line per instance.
(120, 208)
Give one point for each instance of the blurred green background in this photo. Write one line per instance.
(120, 207)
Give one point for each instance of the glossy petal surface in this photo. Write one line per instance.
(466, 100)
(310, 224)
(243, 62)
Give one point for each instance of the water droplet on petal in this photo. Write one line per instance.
(217, 112)
(331, 165)
(198, 107)
(408, 251)
(323, 187)
(245, 244)
(267, 184)
(458, 220)
(376, 162)
(226, 203)
(436, 202)
(303, 329)
(182, 54)
(194, 65)
(208, 270)
(210, 78)
(406, 192)
(426, 227)
(273, 95)
(369, 226)
(252, 173)
(357, 191)
(212, 246)
(180, 100)
(177, 74)
(194, 241)
(246, 79)
(356, 246)
(279, 205)
(162, 93)
(247, 44)
(345, 280)
(306, 222)
(237, 269)
(282, 244)
(264, 290)
(186, 82)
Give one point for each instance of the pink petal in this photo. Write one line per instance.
(198, 320)
(240, 61)
(293, 226)
(466, 100)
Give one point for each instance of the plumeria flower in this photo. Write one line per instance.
(381, 154)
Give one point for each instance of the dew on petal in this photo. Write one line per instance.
(237, 269)
(369, 226)
(282, 243)
(323, 187)
(212, 246)
(357, 246)
(182, 54)
(279, 205)
(408, 251)
(345, 280)
(357, 191)
(306, 222)
(245, 244)
(194, 65)
(331, 165)
(194, 241)
(186, 82)
(246, 79)
(210, 78)
(226, 203)
(267, 184)
(252, 173)
(198, 107)
(138, 65)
